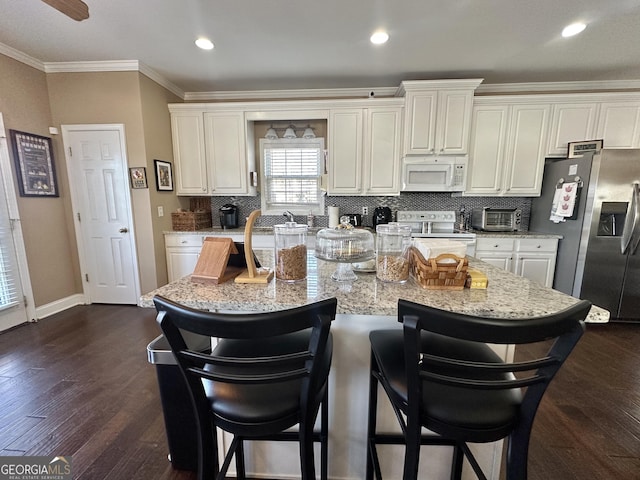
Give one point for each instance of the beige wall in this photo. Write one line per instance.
(117, 97)
(157, 137)
(47, 225)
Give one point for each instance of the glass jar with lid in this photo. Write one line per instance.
(392, 257)
(291, 251)
(344, 245)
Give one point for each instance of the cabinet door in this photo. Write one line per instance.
(453, 121)
(382, 151)
(420, 127)
(226, 153)
(526, 146)
(345, 152)
(538, 267)
(570, 123)
(619, 125)
(501, 260)
(189, 153)
(486, 150)
(181, 261)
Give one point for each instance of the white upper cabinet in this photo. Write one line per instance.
(619, 124)
(364, 150)
(230, 166)
(507, 149)
(613, 118)
(382, 150)
(570, 122)
(438, 116)
(190, 164)
(345, 151)
(212, 152)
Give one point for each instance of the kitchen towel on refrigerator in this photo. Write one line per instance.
(567, 200)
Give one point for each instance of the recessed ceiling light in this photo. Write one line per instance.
(204, 43)
(379, 38)
(573, 29)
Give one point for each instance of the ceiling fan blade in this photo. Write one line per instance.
(76, 9)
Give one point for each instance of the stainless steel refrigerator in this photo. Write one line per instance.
(597, 257)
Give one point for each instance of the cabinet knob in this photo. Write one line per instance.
(539, 246)
(496, 246)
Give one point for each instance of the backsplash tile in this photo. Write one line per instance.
(405, 201)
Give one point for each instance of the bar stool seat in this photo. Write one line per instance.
(438, 372)
(268, 372)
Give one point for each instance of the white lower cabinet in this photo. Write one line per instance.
(532, 258)
(182, 253)
(183, 249)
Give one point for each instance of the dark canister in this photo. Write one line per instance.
(229, 216)
(381, 215)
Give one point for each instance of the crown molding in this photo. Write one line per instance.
(482, 89)
(558, 87)
(21, 57)
(97, 66)
(293, 94)
(113, 66)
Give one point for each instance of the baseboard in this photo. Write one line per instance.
(58, 306)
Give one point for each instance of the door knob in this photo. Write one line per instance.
(123, 230)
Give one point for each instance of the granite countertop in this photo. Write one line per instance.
(527, 234)
(507, 296)
(314, 230)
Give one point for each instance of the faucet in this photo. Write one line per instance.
(289, 215)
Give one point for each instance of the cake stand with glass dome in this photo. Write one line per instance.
(344, 245)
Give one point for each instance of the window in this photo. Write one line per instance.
(292, 175)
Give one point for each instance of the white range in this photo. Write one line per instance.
(436, 224)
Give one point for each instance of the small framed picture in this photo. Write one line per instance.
(35, 169)
(578, 149)
(164, 175)
(138, 176)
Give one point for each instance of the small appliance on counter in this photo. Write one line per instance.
(228, 216)
(381, 216)
(492, 219)
(355, 219)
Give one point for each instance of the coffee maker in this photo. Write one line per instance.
(228, 216)
(381, 215)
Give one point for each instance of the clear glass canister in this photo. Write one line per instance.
(291, 251)
(392, 256)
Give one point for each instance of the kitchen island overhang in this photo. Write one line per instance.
(364, 305)
(507, 295)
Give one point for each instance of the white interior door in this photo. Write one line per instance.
(13, 270)
(97, 165)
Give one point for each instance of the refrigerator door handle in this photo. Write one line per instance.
(631, 235)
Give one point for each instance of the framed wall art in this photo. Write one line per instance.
(138, 176)
(35, 169)
(164, 175)
(578, 149)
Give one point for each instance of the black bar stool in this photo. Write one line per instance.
(439, 373)
(267, 373)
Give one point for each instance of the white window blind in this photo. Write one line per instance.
(292, 172)
(8, 289)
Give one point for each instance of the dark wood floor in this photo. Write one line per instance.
(78, 383)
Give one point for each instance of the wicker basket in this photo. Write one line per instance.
(190, 221)
(200, 204)
(434, 274)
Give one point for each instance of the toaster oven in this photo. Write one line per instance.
(496, 219)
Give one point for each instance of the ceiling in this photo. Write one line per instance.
(282, 45)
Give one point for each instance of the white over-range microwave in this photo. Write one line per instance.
(434, 174)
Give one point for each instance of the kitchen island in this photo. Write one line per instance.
(364, 305)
